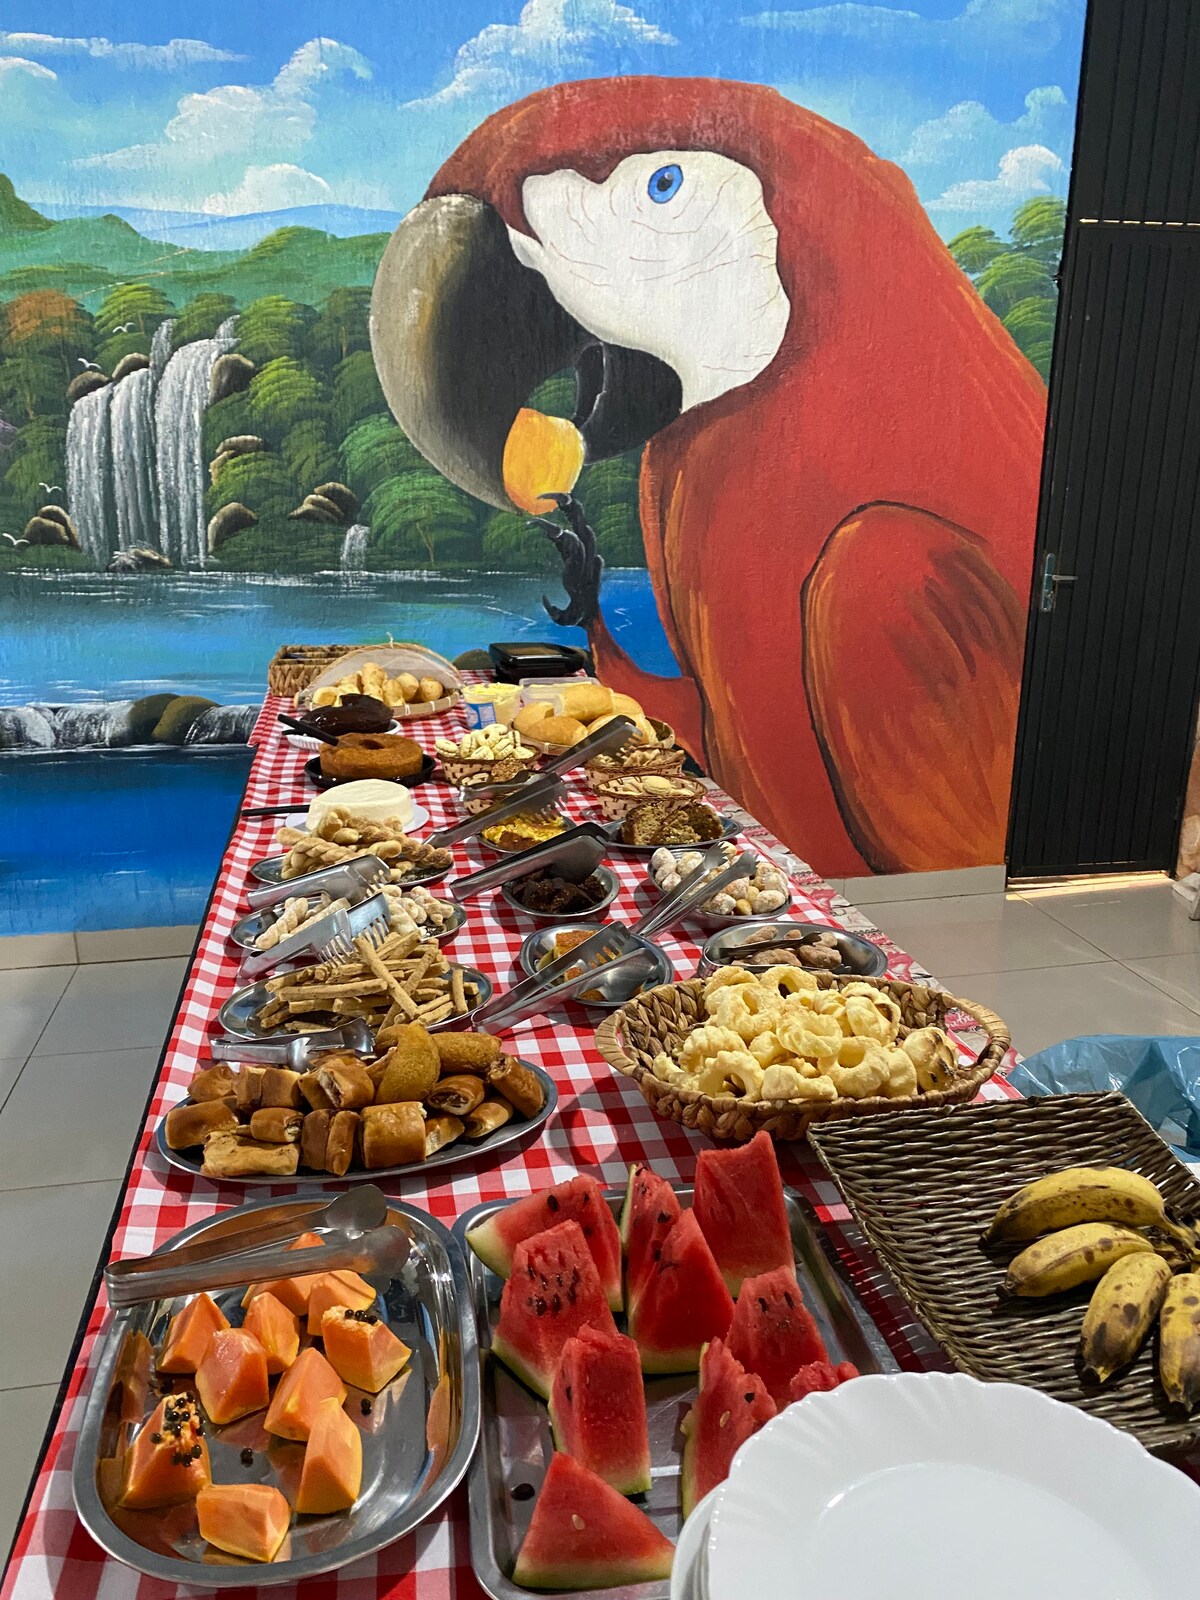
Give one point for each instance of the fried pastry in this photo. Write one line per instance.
(413, 1064)
(277, 1125)
(188, 1125)
(466, 1052)
(238, 1155)
(212, 1083)
(339, 1146)
(518, 1085)
(439, 1132)
(393, 1135)
(458, 1094)
(486, 1118)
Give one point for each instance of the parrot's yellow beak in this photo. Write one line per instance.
(542, 455)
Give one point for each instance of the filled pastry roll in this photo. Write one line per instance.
(339, 1146)
(237, 1155)
(440, 1131)
(247, 1088)
(486, 1118)
(520, 1087)
(213, 1083)
(393, 1135)
(314, 1136)
(188, 1125)
(345, 1082)
(281, 1087)
(466, 1052)
(277, 1125)
(310, 1088)
(458, 1094)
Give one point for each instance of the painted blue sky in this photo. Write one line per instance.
(229, 107)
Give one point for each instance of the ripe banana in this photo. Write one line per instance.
(1179, 1341)
(1073, 1256)
(1122, 1309)
(1080, 1194)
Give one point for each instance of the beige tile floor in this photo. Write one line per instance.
(78, 1046)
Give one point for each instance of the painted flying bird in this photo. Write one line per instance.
(50, 488)
(123, 327)
(842, 444)
(91, 366)
(16, 543)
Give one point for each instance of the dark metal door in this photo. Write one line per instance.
(1112, 662)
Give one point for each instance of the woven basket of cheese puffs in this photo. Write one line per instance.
(780, 1049)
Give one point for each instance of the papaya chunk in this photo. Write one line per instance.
(243, 1519)
(331, 1477)
(232, 1378)
(276, 1328)
(337, 1289)
(292, 1292)
(361, 1348)
(167, 1463)
(309, 1380)
(188, 1334)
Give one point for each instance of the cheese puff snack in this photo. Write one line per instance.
(819, 1038)
(703, 1043)
(734, 1070)
(785, 1083)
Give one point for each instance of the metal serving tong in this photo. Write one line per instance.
(351, 880)
(576, 854)
(354, 1231)
(614, 735)
(330, 938)
(544, 991)
(540, 795)
(295, 1049)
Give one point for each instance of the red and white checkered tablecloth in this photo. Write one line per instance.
(601, 1126)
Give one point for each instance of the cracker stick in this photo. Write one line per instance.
(458, 993)
(392, 985)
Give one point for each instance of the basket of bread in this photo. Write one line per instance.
(777, 1050)
(571, 711)
(495, 754)
(412, 680)
(619, 793)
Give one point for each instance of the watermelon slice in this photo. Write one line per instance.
(554, 1291)
(818, 1377)
(741, 1211)
(773, 1333)
(683, 1305)
(650, 1211)
(732, 1405)
(584, 1535)
(580, 1200)
(598, 1409)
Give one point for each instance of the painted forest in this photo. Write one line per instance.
(295, 443)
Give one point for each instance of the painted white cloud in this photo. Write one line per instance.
(1033, 25)
(970, 127)
(550, 40)
(271, 188)
(1029, 170)
(27, 69)
(169, 57)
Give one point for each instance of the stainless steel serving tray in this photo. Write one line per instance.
(252, 925)
(237, 1015)
(860, 958)
(427, 1305)
(612, 888)
(514, 1132)
(515, 1444)
(270, 870)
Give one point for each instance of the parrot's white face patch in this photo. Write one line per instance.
(674, 253)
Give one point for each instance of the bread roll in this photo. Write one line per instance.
(277, 1125)
(393, 1135)
(441, 1131)
(327, 696)
(339, 1146)
(281, 1087)
(430, 689)
(410, 686)
(529, 718)
(212, 1083)
(188, 1125)
(586, 701)
(314, 1137)
(626, 706)
(247, 1089)
(565, 731)
(314, 1093)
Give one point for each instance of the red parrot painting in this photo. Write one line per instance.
(839, 483)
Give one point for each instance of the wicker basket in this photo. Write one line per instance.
(661, 1019)
(615, 806)
(294, 666)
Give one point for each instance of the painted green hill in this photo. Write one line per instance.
(15, 214)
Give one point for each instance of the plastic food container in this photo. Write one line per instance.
(485, 703)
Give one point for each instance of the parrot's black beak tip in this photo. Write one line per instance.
(560, 500)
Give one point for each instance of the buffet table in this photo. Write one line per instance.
(600, 1127)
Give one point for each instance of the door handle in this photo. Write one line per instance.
(1051, 581)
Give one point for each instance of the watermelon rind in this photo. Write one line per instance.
(584, 1535)
(495, 1240)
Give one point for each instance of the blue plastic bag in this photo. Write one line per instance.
(1160, 1076)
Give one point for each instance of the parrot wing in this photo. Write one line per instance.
(912, 664)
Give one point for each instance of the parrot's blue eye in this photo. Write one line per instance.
(665, 184)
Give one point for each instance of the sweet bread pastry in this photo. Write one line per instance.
(188, 1124)
(458, 1094)
(372, 755)
(277, 1125)
(393, 1135)
(439, 1132)
(345, 1082)
(339, 1146)
(281, 1087)
(212, 1083)
(247, 1089)
(313, 1091)
(314, 1137)
(238, 1155)
(518, 1085)
(486, 1118)
(466, 1052)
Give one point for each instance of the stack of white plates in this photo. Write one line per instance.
(930, 1486)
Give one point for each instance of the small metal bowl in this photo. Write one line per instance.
(714, 921)
(500, 851)
(540, 942)
(250, 927)
(612, 888)
(860, 958)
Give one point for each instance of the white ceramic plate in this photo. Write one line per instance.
(688, 1575)
(934, 1486)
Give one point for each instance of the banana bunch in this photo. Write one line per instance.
(1106, 1223)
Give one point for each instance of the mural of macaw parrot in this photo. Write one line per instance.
(839, 485)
